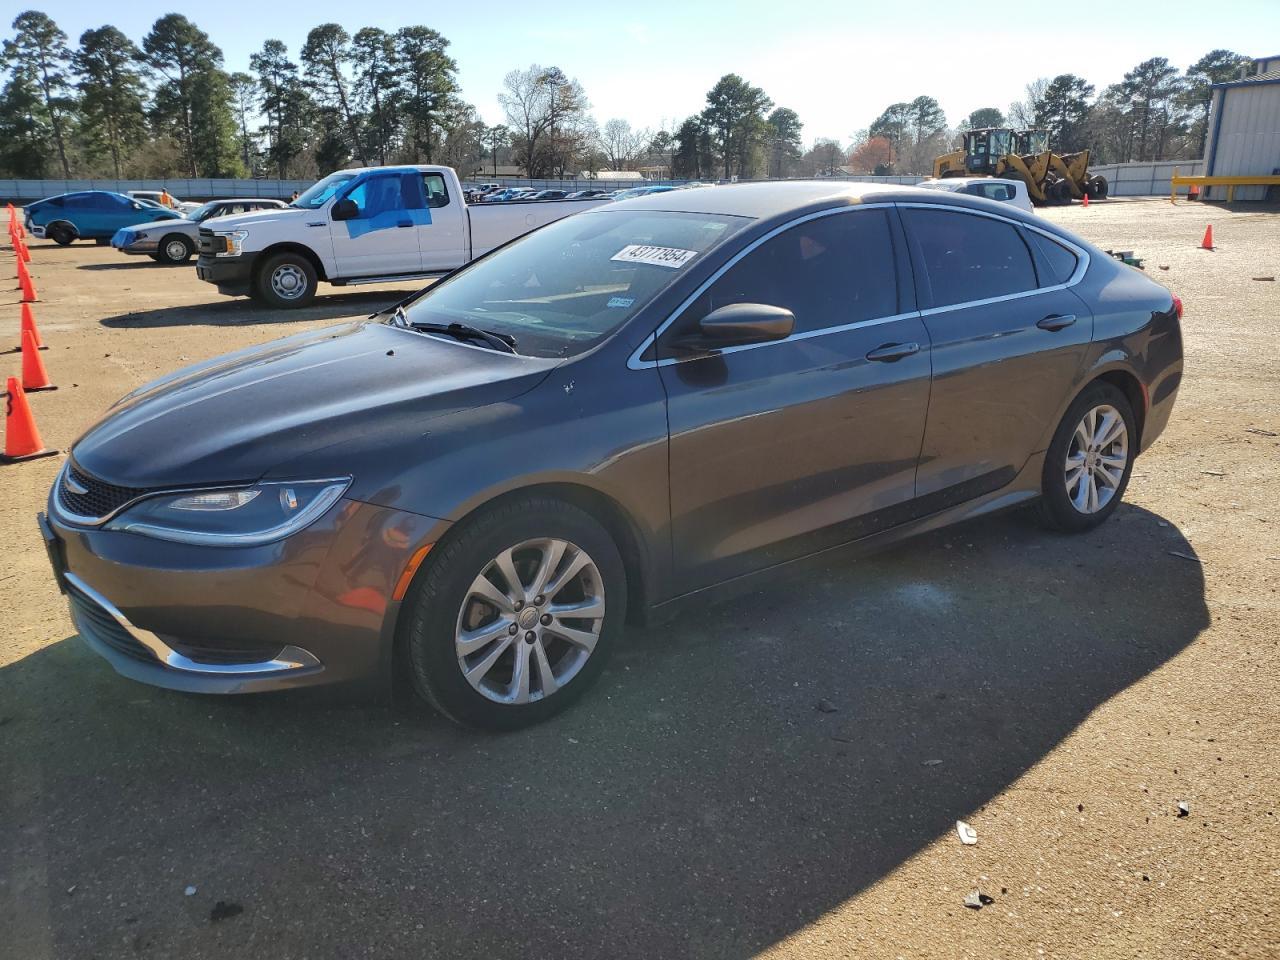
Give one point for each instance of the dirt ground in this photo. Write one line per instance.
(1062, 695)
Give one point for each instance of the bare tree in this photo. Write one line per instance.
(621, 145)
(1022, 113)
(544, 110)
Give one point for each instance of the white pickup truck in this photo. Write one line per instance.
(367, 225)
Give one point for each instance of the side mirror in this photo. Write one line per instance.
(740, 323)
(345, 209)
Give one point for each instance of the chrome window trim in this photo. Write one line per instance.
(1082, 265)
(288, 658)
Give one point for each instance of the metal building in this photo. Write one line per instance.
(1244, 129)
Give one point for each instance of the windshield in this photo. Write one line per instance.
(319, 193)
(562, 288)
(204, 211)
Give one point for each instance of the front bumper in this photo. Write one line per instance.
(36, 230)
(232, 276)
(315, 608)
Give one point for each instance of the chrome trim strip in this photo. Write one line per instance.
(1082, 265)
(57, 509)
(289, 658)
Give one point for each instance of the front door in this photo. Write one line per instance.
(783, 448)
(1009, 339)
(382, 238)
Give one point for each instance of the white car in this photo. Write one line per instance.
(184, 207)
(368, 225)
(993, 188)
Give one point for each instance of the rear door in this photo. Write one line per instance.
(1009, 338)
(441, 237)
(382, 239)
(783, 448)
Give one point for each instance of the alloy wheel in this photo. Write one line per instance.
(175, 250)
(530, 621)
(1096, 459)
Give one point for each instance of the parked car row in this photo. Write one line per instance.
(495, 193)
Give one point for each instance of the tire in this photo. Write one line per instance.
(61, 234)
(272, 281)
(1070, 506)
(1098, 188)
(443, 605)
(174, 248)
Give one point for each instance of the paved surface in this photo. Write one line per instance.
(1062, 695)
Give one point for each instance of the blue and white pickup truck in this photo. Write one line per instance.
(367, 225)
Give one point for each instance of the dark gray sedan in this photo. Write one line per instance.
(608, 417)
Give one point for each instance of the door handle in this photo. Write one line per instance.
(405, 223)
(892, 352)
(1056, 321)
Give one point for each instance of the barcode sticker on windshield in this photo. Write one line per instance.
(671, 257)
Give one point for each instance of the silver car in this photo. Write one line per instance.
(174, 241)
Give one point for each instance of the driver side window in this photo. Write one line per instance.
(386, 193)
(828, 272)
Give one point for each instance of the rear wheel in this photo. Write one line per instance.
(61, 234)
(287, 280)
(175, 248)
(1087, 465)
(513, 618)
(1097, 188)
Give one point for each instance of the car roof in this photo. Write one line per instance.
(766, 200)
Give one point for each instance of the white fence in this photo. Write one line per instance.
(1147, 179)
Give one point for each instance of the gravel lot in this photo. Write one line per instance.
(1062, 695)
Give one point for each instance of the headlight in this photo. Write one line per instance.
(232, 517)
(235, 242)
(131, 237)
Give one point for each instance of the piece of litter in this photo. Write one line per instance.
(190, 891)
(1184, 808)
(1214, 473)
(571, 740)
(976, 900)
(826, 706)
(931, 763)
(1272, 279)
(1185, 556)
(1163, 266)
(72, 889)
(968, 835)
(1261, 433)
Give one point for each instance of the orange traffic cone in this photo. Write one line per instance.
(29, 323)
(21, 438)
(1207, 242)
(34, 375)
(28, 288)
(24, 254)
(22, 267)
(1086, 199)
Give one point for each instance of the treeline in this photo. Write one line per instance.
(167, 106)
(1156, 112)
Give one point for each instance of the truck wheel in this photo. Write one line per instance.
(61, 234)
(287, 280)
(175, 248)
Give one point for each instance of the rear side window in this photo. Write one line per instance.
(992, 191)
(969, 257)
(828, 272)
(437, 192)
(1057, 263)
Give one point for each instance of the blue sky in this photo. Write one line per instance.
(837, 64)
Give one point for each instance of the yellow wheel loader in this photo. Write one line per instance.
(1023, 155)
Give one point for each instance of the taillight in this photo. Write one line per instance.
(1177, 306)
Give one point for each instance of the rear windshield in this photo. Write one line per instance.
(564, 287)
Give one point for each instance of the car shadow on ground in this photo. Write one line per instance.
(243, 311)
(698, 802)
(133, 263)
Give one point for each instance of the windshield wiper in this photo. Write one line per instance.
(459, 331)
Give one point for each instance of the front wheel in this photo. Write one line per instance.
(287, 280)
(174, 248)
(1087, 465)
(513, 618)
(61, 234)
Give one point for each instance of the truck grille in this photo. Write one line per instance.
(210, 244)
(100, 498)
(90, 618)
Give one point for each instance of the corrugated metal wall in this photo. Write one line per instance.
(1248, 136)
(1145, 179)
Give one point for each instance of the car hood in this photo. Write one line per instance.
(236, 221)
(304, 398)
